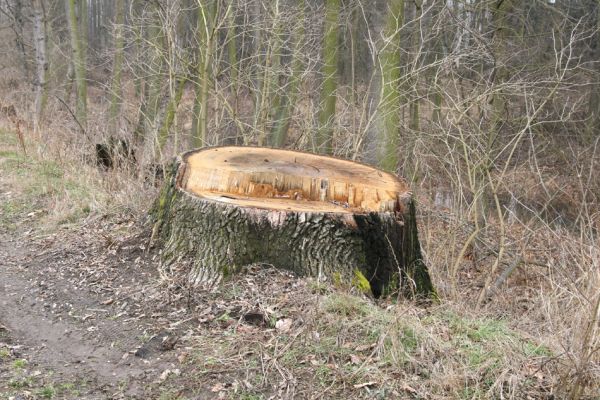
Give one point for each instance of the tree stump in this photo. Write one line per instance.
(225, 207)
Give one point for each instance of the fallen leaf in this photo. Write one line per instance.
(366, 384)
(217, 388)
(365, 347)
(354, 359)
(409, 389)
(182, 357)
(283, 325)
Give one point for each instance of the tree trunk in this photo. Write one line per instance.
(170, 112)
(78, 44)
(41, 59)
(269, 98)
(206, 21)
(389, 107)
(116, 92)
(324, 142)
(287, 103)
(16, 12)
(226, 207)
(593, 125)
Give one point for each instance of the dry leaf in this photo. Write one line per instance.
(217, 387)
(409, 389)
(354, 359)
(366, 384)
(283, 325)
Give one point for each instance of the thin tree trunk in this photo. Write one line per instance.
(284, 114)
(500, 15)
(269, 99)
(324, 139)
(156, 76)
(78, 44)
(116, 92)
(414, 123)
(18, 25)
(206, 16)
(232, 45)
(170, 112)
(40, 39)
(390, 58)
(142, 85)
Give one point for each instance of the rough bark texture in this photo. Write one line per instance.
(375, 251)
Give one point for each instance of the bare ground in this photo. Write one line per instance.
(74, 311)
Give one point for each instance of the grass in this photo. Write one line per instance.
(58, 192)
(41, 189)
(19, 364)
(349, 346)
(47, 392)
(20, 383)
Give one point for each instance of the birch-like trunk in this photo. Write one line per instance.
(41, 59)
(116, 92)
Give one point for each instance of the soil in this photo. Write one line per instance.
(78, 311)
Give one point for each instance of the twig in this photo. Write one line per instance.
(81, 128)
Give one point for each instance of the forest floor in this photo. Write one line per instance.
(84, 314)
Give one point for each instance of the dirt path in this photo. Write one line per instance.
(75, 320)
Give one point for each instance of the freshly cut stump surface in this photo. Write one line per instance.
(226, 207)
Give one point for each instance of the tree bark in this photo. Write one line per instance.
(78, 44)
(286, 105)
(41, 59)
(324, 142)
(268, 96)
(206, 21)
(226, 207)
(116, 92)
(389, 107)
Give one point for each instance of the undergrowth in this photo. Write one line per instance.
(47, 192)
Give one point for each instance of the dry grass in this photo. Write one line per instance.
(55, 187)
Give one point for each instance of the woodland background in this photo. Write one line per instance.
(489, 108)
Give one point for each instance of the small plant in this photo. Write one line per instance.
(4, 354)
(347, 305)
(318, 287)
(47, 392)
(536, 350)
(20, 383)
(323, 374)
(19, 364)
